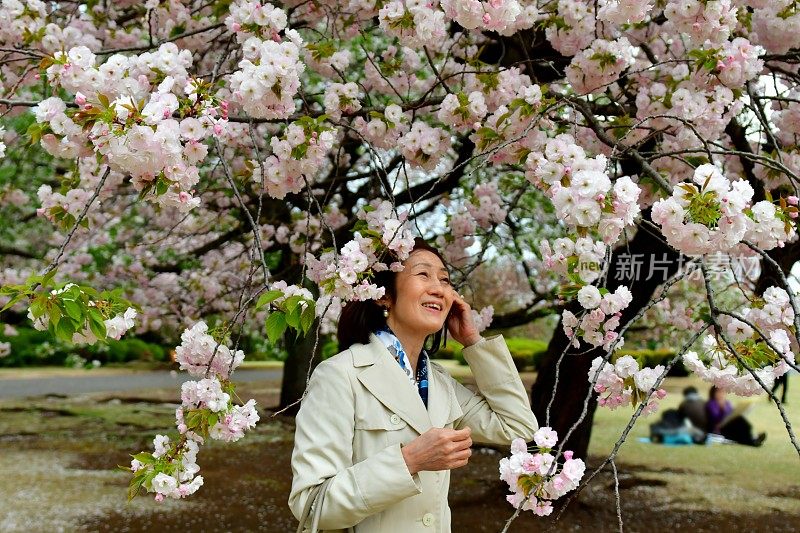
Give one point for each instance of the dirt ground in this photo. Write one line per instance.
(58, 455)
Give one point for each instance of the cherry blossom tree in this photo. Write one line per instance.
(233, 169)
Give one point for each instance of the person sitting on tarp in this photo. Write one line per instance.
(731, 424)
(693, 413)
(685, 425)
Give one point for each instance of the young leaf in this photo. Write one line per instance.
(276, 325)
(268, 297)
(97, 327)
(73, 310)
(307, 317)
(293, 318)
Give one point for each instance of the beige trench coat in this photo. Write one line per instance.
(361, 407)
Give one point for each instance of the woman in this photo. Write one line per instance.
(722, 421)
(385, 423)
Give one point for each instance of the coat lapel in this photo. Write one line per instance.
(440, 402)
(385, 380)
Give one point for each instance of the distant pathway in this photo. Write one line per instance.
(20, 388)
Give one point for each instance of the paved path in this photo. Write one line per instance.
(20, 388)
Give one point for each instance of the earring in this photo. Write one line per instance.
(385, 313)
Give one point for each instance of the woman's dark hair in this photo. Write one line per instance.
(359, 319)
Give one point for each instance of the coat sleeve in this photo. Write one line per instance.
(323, 448)
(500, 411)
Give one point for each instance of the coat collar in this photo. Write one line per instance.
(384, 379)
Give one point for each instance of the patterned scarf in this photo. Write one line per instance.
(420, 381)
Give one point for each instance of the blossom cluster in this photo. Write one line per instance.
(346, 274)
(413, 24)
(581, 191)
(462, 111)
(534, 476)
(384, 129)
(624, 11)
(268, 77)
(755, 357)
(484, 209)
(580, 260)
(502, 16)
(599, 65)
(776, 25)
(483, 318)
(19, 18)
(134, 128)
(326, 60)
(714, 214)
(424, 146)
(597, 326)
(570, 28)
(739, 62)
(199, 353)
(509, 133)
(702, 20)
(255, 18)
(206, 410)
(298, 153)
(682, 98)
(624, 382)
(181, 481)
(341, 98)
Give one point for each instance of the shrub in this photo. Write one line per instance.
(526, 353)
(30, 347)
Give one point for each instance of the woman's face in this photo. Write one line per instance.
(719, 396)
(423, 295)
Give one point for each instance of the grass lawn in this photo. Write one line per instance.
(721, 477)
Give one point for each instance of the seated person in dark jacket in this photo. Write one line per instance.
(693, 409)
(737, 429)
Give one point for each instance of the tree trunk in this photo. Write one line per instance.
(786, 257)
(573, 383)
(296, 368)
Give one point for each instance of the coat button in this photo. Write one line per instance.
(427, 519)
(394, 419)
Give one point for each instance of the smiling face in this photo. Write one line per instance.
(423, 296)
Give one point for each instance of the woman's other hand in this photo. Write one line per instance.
(459, 322)
(438, 449)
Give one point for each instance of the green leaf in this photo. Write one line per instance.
(12, 302)
(65, 330)
(34, 132)
(144, 457)
(276, 325)
(97, 327)
(162, 186)
(291, 303)
(38, 306)
(268, 297)
(293, 318)
(73, 310)
(48, 278)
(307, 317)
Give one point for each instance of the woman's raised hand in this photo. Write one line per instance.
(459, 322)
(438, 449)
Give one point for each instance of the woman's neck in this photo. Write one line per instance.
(412, 342)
